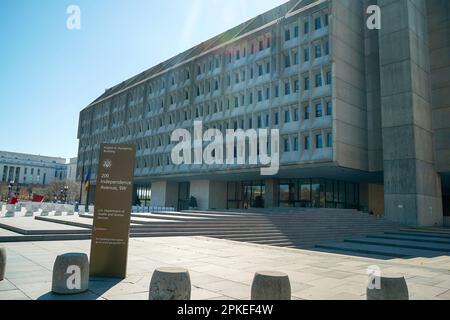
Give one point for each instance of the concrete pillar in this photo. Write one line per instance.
(412, 188)
(164, 194)
(209, 194)
(271, 195)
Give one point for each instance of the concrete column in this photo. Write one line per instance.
(271, 196)
(164, 194)
(412, 188)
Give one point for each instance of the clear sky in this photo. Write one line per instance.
(49, 73)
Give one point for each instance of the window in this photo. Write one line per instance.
(296, 86)
(287, 35)
(329, 140)
(287, 116)
(318, 80)
(259, 121)
(318, 51)
(295, 57)
(327, 48)
(251, 73)
(243, 75)
(319, 112)
(328, 78)
(277, 91)
(287, 61)
(267, 120)
(306, 27)
(287, 88)
(236, 78)
(306, 113)
(242, 100)
(268, 67)
(326, 20)
(252, 48)
(329, 108)
(260, 70)
(268, 43)
(267, 93)
(250, 123)
(306, 55)
(238, 55)
(260, 96)
(319, 144)
(276, 118)
(306, 83)
(307, 143)
(216, 85)
(296, 114)
(317, 23)
(251, 98)
(296, 32)
(236, 102)
(287, 146)
(295, 144)
(261, 45)
(186, 95)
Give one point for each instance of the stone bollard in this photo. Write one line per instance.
(390, 289)
(2, 263)
(29, 212)
(70, 211)
(170, 284)
(10, 211)
(58, 209)
(45, 209)
(271, 285)
(70, 273)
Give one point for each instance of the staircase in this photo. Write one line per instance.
(295, 228)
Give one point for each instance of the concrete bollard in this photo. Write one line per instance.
(45, 209)
(70, 273)
(271, 285)
(389, 289)
(10, 211)
(29, 210)
(2, 263)
(70, 211)
(170, 284)
(58, 209)
(91, 209)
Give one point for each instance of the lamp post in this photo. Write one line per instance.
(66, 188)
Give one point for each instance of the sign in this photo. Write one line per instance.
(112, 212)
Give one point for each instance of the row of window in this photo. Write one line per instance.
(293, 144)
(294, 32)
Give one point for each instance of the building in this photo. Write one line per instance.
(72, 169)
(364, 115)
(26, 169)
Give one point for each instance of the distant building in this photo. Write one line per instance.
(72, 169)
(31, 169)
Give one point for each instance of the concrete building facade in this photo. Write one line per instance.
(364, 115)
(21, 168)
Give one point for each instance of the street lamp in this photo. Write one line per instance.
(66, 188)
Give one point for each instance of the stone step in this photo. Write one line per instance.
(404, 244)
(380, 249)
(410, 238)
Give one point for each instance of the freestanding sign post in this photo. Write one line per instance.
(112, 213)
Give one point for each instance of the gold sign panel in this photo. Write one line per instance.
(112, 213)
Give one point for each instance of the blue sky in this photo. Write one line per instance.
(49, 73)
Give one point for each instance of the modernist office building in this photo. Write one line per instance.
(21, 168)
(364, 115)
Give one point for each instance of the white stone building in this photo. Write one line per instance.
(72, 169)
(30, 169)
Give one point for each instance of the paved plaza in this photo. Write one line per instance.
(221, 269)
